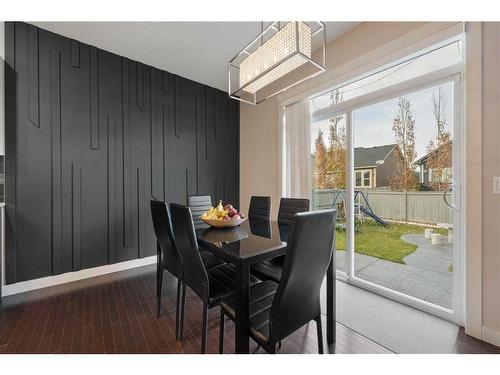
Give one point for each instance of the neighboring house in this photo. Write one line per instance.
(429, 175)
(374, 166)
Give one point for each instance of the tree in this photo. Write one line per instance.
(403, 126)
(440, 148)
(320, 180)
(337, 149)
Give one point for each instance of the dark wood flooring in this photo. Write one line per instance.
(116, 313)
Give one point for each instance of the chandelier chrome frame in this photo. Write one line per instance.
(274, 28)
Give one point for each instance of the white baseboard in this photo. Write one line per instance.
(45, 282)
(491, 335)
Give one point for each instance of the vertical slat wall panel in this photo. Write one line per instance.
(75, 54)
(140, 152)
(94, 98)
(233, 142)
(33, 169)
(209, 166)
(91, 137)
(11, 151)
(157, 136)
(76, 215)
(33, 76)
(182, 161)
(125, 150)
(111, 114)
(167, 102)
(55, 121)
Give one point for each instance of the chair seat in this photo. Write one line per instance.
(222, 282)
(210, 260)
(261, 299)
(270, 269)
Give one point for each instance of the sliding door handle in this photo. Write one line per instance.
(454, 189)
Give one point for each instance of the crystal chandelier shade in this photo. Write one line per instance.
(281, 47)
(262, 69)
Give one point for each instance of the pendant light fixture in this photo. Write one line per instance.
(281, 56)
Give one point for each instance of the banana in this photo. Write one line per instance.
(210, 214)
(215, 213)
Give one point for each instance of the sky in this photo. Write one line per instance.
(373, 124)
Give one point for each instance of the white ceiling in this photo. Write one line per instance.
(195, 50)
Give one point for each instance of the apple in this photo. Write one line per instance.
(233, 211)
(236, 217)
(228, 207)
(225, 218)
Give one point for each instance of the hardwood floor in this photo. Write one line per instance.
(116, 313)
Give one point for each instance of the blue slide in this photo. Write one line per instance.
(373, 216)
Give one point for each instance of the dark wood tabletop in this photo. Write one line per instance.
(252, 242)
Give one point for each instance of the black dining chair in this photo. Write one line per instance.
(278, 310)
(211, 285)
(168, 255)
(271, 269)
(199, 204)
(260, 208)
(289, 207)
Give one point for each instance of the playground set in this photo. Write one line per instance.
(361, 208)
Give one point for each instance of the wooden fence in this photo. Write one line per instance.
(413, 206)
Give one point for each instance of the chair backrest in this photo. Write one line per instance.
(164, 236)
(194, 273)
(260, 208)
(309, 250)
(199, 204)
(289, 207)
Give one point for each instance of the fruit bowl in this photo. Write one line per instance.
(223, 216)
(224, 223)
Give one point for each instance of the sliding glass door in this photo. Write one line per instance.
(385, 153)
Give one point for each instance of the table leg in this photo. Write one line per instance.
(242, 303)
(331, 314)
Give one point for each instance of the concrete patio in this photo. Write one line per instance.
(425, 275)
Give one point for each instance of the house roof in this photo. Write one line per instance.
(369, 156)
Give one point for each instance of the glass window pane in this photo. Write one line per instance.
(366, 179)
(358, 178)
(328, 165)
(403, 231)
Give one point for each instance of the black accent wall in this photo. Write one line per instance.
(91, 137)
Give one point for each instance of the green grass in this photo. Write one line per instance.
(382, 242)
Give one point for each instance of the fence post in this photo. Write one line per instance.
(406, 205)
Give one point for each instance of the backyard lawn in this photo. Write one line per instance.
(382, 242)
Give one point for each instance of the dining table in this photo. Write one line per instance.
(249, 243)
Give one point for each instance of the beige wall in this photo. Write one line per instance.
(259, 153)
(491, 167)
(356, 52)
